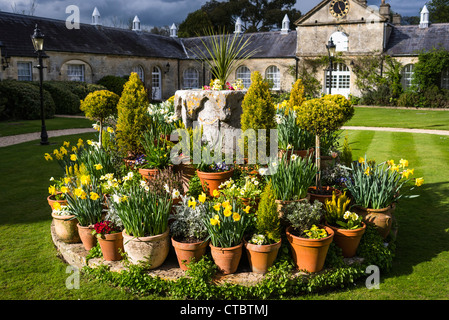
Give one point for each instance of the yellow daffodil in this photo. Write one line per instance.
(66, 180)
(74, 149)
(55, 152)
(225, 204)
(215, 221)
(80, 193)
(217, 207)
(85, 179)
(394, 168)
(247, 209)
(361, 160)
(94, 196)
(215, 193)
(66, 144)
(192, 203)
(64, 189)
(390, 162)
(403, 162)
(406, 173)
(47, 157)
(89, 142)
(202, 197)
(80, 143)
(227, 212)
(56, 206)
(367, 171)
(98, 166)
(52, 190)
(110, 130)
(73, 157)
(419, 182)
(236, 216)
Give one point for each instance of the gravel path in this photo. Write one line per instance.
(11, 140)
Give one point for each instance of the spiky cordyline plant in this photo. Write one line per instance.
(223, 53)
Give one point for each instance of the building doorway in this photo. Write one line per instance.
(341, 80)
(156, 88)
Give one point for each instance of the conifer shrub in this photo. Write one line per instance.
(296, 95)
(267, 221)
(99, 105)
(132, 113)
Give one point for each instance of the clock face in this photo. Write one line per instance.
(339, 8)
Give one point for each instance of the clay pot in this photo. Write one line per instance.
(227, 259)
(149, 174)
(51, 200)
(212, 180)
(151, 250)
(66, 228)
(381, 218)
(187, 171)
(322, 197)
(89, 241)
(326, 162)
(261, 257)
(348, 240)
(309, 254)
(185, 252)
(299, 153)
(281, 204)
(112, 246)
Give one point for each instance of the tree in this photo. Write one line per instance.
(438, 10)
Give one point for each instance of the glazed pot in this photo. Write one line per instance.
(227, 259)
(261, 257)
(89, 241)
(212, 180)
(51, 200)
(309, 254)
(381, 218)
(152, 250)
(66, 228)
(322, 197)
(186, 251)
(348, 240)
(112, 246)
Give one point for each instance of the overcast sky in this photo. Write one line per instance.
(158, 12)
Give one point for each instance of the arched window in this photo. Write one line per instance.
(156, 88)
(274, 75)
(244, 74)
(140, 72)
(407, 76)
(445, 79)
(191, 79)
(341, 41)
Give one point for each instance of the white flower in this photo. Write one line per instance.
(256, 182)
(96, 126)
(347, 215)
(289, 146)
(130, 175)
(116, 198)
(293, 157)
(263, 171)
(143, 183)
(175, 194)
(167, 188)
(146, 188)
(52, 179)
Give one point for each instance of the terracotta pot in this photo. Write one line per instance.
(212, 180)
(112, 246)
(281, 204)
(149, 174)
(51, 200)
(89, 241)
(322, 197)
(151, 250)
(261, 257)
(381, 218)
(187, 171)
(309, 254)
(299, 153)
(185, 252)
(227, 259)
(326, 162)
(348, 240)
(252, 203)
(66, 228)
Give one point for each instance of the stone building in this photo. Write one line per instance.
(166, 64)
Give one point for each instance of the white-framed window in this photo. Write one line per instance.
(407, 76)
(191, 79)
(156, 83)
(244, 74)
(341, 41)
(24, 71)
(273, 74)
(445, 79)
(140, 72)
(75, 72)
(341, 79)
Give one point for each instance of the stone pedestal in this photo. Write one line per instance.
(217, 111)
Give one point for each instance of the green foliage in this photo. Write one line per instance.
(303, 215)
(195, 187)
(132, 116)
(346, 153)
(324, 115)
(336, 208)
(267, 218)
(113, 83)
(438, 10)
(290, 134)
(21, 101)
(296, 95)
(99, 105)
(66, 102)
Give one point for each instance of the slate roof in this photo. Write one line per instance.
(408, 40)
(16, 31)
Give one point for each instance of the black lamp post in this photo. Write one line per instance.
(331, 48)
(38, 43)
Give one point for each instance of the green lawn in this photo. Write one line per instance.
(8, 128)
(400, 118)
(30, 268)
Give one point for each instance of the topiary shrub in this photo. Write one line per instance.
(296, 95)
(99, 105)
(257, 107)
(21, 101)
(113, 83)
(267, 218)
(132, 112)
